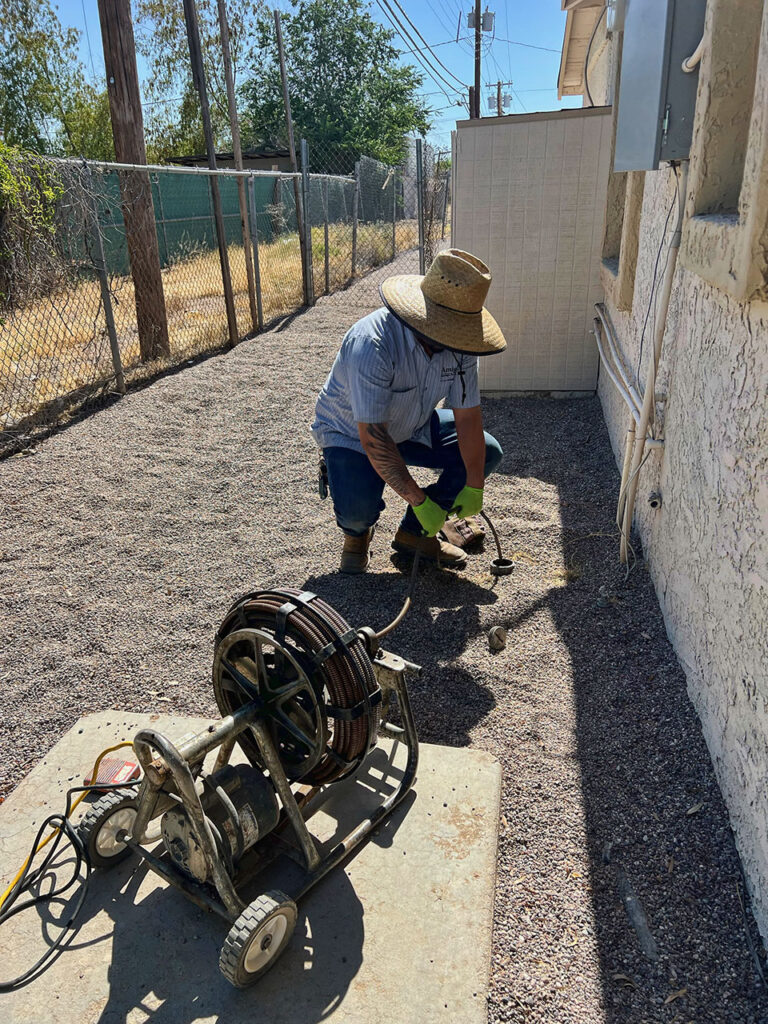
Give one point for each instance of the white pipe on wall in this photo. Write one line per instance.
(617, 371)
(618, 374)
(691, 63)
(628, 446)
(617, 356)
(615, 374)
(653, 365)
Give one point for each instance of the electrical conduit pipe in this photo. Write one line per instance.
(614, 367)
(660, 323)
(691, 63)
(617, 371)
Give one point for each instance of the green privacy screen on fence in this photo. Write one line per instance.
(184, 210)
(184, 214)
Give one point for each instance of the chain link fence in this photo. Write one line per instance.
(365, 215)
(111, 275)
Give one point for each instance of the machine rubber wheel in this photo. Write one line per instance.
(100, 824)
(257, 938)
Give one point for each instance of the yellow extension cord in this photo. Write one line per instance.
(44, 842)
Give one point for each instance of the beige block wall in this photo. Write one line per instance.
(530, 200)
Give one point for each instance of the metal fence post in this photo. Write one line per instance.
(420, 201)
(394, 212)
(100, 264)
(161, 222)
(355, 204)
(307, 218)
(325, 237)
(255, 251)
(445, 203)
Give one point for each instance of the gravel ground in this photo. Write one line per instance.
(124, 538)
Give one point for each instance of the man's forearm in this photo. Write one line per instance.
(471, 437)
(388, 462)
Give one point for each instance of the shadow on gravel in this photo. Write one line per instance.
(447, 699)
(659, 841)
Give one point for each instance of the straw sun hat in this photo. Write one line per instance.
(446, 304)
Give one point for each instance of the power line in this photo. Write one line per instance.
(88, 40)
(528, 46)
(509, 52)
(421, 37)
(432, 72)
(449, 27)
(441, 109)
(462, 39)
(514, 93)
(438, 17)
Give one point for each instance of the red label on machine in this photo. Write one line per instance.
(114, 770)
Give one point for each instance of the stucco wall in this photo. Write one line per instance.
(707, 547)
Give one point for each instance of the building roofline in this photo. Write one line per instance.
(579, 24)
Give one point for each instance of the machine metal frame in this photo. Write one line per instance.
(170, 775)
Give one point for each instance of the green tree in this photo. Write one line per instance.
(174, 128)
(46, 103)
(173, 125)
(39, 72)
(348, 93)
(88, 128)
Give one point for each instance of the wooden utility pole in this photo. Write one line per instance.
(478, 37)
(135, 188)
(499, 95)
(471, 101)
(294, 163)
(198, 78)
(238, 155)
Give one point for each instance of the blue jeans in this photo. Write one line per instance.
(356, 487)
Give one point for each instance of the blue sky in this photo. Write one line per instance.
(530, 59)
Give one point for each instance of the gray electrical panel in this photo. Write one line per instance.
(656, 97)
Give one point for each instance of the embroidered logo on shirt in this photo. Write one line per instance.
(449, 373)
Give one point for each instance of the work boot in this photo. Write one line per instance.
(431, 548)
(463, 533)
(354, 554)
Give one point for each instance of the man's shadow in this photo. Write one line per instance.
(448, 701)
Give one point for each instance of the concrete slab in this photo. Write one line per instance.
(403, 932)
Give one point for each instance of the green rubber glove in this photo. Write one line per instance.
(430, 515)
(469, 501)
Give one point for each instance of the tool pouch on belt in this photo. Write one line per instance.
(322, 477)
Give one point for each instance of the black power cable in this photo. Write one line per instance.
(29, 879)
(434, 55)
(586, 58)
(433, 73)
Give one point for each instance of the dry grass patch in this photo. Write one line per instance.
(59, 344)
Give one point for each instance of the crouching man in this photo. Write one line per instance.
(376, 415)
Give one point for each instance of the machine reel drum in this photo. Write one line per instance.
(313, 673)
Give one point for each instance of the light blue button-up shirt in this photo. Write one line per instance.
(383, 375)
